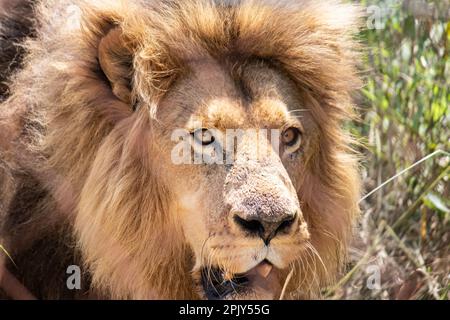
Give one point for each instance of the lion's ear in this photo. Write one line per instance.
(116, 63)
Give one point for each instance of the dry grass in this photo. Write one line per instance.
(405, 227)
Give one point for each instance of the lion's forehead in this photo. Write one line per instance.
(214, 95)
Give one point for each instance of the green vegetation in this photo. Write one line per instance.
(405, 228)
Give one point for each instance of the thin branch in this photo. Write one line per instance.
(437, 152)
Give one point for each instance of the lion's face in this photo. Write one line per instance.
(265, 90)
(242, 218)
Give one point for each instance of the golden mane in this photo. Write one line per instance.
(99, 152)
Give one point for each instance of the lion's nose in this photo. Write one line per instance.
(264, 226)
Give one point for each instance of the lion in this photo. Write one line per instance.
(87, 168)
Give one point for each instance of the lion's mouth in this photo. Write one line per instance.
(260, 282)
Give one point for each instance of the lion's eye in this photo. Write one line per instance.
(291, 137)
(203, 137)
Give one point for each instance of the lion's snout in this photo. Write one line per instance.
(265, 206)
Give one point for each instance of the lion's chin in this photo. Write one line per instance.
(261, 282)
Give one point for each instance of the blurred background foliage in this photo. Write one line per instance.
(403, 250)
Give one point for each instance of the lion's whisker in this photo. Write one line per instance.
(314, 272)
(316, 253)
(297, 110)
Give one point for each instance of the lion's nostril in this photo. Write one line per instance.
(264, 227)
(252, 226)
(289, 221)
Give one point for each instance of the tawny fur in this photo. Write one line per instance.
(78, 169)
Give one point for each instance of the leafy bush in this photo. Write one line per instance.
(405, 229)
